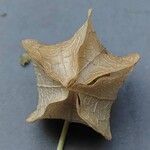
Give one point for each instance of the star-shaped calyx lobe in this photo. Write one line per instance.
(78, 79)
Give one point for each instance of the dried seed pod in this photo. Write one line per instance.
(78, 79)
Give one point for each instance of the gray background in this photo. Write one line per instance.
(122, 25)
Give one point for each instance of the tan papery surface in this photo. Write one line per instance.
(78, 80)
